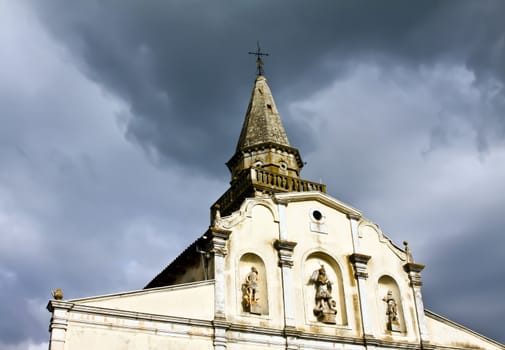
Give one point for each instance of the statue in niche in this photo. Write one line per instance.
(251, 292)
(325, 308)
(393, 324)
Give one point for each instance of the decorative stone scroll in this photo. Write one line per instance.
(393, 324)
(325, 308)
(250, 292)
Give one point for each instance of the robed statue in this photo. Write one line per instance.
(325, 307)
(393, 324)
(251, 292)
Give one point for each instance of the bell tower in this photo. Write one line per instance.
(264, 160)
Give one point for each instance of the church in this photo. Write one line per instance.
(282, 265)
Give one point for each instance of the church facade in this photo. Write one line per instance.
(283, 265)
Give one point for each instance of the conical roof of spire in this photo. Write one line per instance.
(262, 123)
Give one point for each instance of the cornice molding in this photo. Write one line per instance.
(323, 198)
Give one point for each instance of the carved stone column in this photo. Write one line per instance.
(218, 239)
(58, 325)
(359, 262)
(414, 272)
(285, 250)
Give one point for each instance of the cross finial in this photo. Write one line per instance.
(259, 61)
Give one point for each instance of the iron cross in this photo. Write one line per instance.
(259, 61)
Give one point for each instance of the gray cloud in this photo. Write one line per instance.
(161, 57)
(108, 109)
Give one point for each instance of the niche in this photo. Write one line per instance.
(252, 285)
(324, 290)
(389, 304)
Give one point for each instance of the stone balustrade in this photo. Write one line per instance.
(257, 179)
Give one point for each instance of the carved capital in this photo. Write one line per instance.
(285, 245)
(359, 262)
(285, 250)
(414, 272)
(217, 244)
(351, 216)
(280, 201)
(413, 267)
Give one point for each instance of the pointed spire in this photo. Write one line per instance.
(264, 161)
(263, 142)
(262, 123)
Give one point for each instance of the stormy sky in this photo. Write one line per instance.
(116, 119)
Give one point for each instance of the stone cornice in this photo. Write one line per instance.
(353, 216)
(392, 344)
(285, 250)
(284, 245)
(219, 232)
(218, 238)
(58, 304)
(188, 285)
(317, 337)
(320, 197)
(262, 146)
(414, 272)
(359, 262)
(413, 267)
(95, 310)
(359, 258)
(236, 328)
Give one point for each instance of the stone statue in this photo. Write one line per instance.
(251, 292)
(391, 312)
(408, 253)
(217, 216)
(325, 305)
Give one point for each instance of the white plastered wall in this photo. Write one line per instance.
(191, 300)
(446, 333)
(331, 239)
(254, 233)
(387, 260)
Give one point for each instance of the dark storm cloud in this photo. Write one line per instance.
(472, 276)
(183, 65)
(99, 219)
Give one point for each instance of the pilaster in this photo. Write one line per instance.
(281, 205)
(354, 219)
(414, 272)
(285, 250)
(219, 237)
(359, 263)
(220, 328)
(58, 325)
(292, 338)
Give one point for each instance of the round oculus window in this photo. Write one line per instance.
(317, 215)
